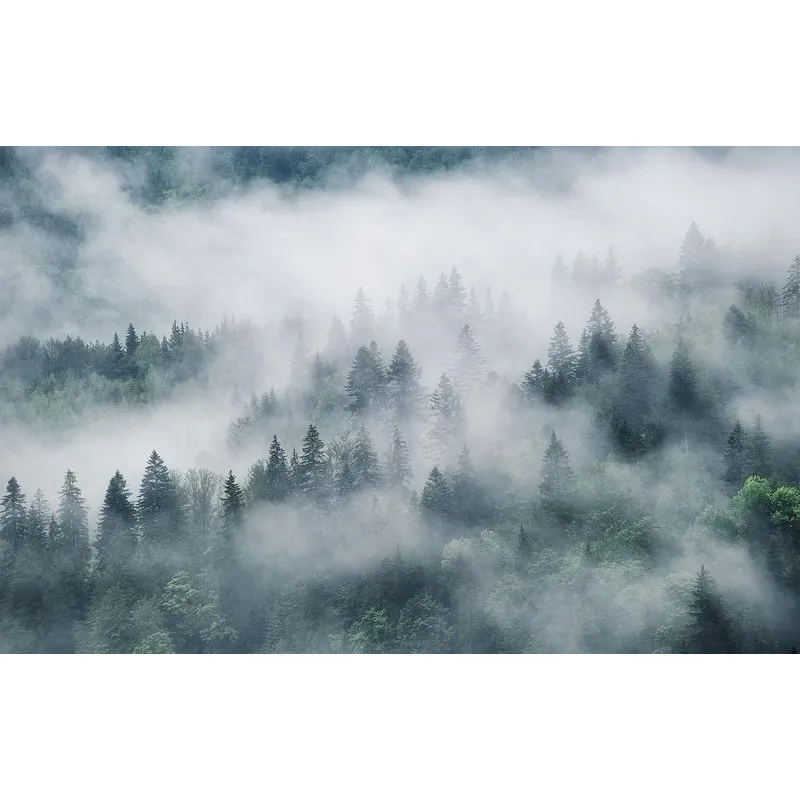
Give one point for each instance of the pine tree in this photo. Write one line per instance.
(436, 497)
(682, 389)
(116, 536)
(366, 381)
(399, 471)
(313, 466)
(12, 515)
(232, 506)
(422, 298)
(116, 359)
(636, 381)
(278, 479)
(533, 382)
(710, 627)
(457, 294)
(469, 367)
(759, 451)
(256, 489)
(734, 458)
(73, 521)
(447, 419)
(362, 321)
(601, 346)
(294, 472)
(790, 299)
(364, 461)
(560, 355)
(37, 522)
(157, 505)
(131, 341)
(403, 384)
(690, 259)
(468, 500)
(556, 472)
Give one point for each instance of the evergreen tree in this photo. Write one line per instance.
(278, 479)
(403, 385)
(734, 458)
(256, 487)
(436, 497)
(366, 379)
(116, 360)
(533, 382)
(158, 504)
(469, 367)
(131, 341)
(364, 461)
(362, 321)
(710, 627)
(580, 270)
(116, 536)
(313, 466)
(337, 350)
(73, 522)
(457, 294)
(12, 515)
(759, 451)
(601, 344)
(232, 506)
(399, 471)
(682, 389)
(524, 545)
(611, 273)
(422, 298)
(738, 327)
(560, 355)
(637, 379)
(791, 290)
(37, 523)
(468, 497)
(556, 472)
(448, 424)
(294, 472)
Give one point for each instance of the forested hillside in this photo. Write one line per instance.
(403, 486)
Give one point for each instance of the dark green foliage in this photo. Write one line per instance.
(404, 390)
(116, 535)
(734, 458)
(312, 467)
(448, 424)
(436, 497)
(683, 390)
(710, 628)
(366, 381)
(399, 472)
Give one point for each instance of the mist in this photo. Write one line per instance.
(604, 549)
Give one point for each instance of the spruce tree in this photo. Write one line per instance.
(533, 382)
(710, 627)
(364, 461)
(457, 294)
(469, 366)
(313, 467)
(131, 341)
(256, 486)
(556, 472)
(278, 479)
(366, 380)
(403, 385)
(37, 523)
(560, 355)
(73, 522)
(447, 424)
(232, 506)
(436, 497)
(601, 346)
(399, 471)
(734, 458)
(158, 504)
(116, 534)
(362, 321)
(13, 515)
(682, 389)
(759, 451)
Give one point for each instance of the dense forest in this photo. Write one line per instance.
(403, 488)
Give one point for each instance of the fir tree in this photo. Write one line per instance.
(403, 383)
(131, 341)
(560, 355)
(422, 298)
(533, 382)
(232, 506)
(362, 321)
(337, 350)
(469, 367)
(556, 472)
(37, 523)
(601, 344)
(759, 451)
(682, 388)
(278, 479)
(366, 380)
(116, 536)
(734, 458)
(399, 471)
(313, 466)
(12, 515)
(710, 627)
(436, 497)
(447, 419)
(364, 461)
(457, 294)
(158, 506)
(73, 520)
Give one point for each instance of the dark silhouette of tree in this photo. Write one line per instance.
(710, 627)
(734, 458)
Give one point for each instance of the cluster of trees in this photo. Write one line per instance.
(376, 519)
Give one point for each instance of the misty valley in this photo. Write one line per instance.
(359, 400)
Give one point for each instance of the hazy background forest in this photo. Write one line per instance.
(399, 400)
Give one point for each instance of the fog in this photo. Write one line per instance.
(284, 262)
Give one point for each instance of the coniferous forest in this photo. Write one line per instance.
(420, 471)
